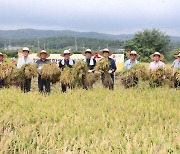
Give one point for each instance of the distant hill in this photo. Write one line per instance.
(32, 33)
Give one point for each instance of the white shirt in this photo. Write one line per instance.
(22, 61)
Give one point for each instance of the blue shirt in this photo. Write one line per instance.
(129, 63)
(176, 64)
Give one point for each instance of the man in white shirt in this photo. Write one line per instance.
(25, 59)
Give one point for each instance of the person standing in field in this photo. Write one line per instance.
(25, 59)
(2, 58)
(133, 56)
(157, 61)
(105, 53)
(175, 66)
(91, 63)
(66, 62)
(176, 63)
(43, 55)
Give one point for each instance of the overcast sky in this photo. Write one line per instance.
(107, 16)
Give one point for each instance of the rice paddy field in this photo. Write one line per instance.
(134, 120)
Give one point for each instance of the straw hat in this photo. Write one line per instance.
(4, 55)
(66, 52)
(26, 49)
(176, 56)
(43, 51)
(134, 53)
(178, 52)
(88, 50)
(157, 53)
(105, 50)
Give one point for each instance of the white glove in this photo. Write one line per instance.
(89, 71)
(110, 71)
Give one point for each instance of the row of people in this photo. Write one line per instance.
(44, 84)
(157, 60)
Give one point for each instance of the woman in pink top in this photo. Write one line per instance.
(157, 57)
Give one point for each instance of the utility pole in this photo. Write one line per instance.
(75, 43)
(44, 46)
(38, 43)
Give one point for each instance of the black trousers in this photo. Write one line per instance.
(64, 88)
(1, 83)
(26, 86)
(108, 85)
(176, 84)
(44, 83)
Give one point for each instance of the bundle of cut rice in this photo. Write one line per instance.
(177, 75)
(157, 77)
(6, 70)
(90, 79)
(80, 71)
(128, 79)
(51, 72)
(67, 77)
(7, 73)
(103, 68)
(131, 77)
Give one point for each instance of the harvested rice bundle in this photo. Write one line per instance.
(50, 71)
(67, 77)
(102, 65)
(80, 70)
(128, 79)
(6, 70)
(157, 77)
(103, 68)
(90, 79)
(139, 71)
(131, 77)
(7, 73)
(25, 72)
(169, 74)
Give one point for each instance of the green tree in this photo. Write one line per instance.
(149, 41)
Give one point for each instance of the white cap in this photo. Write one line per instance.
(25, 49)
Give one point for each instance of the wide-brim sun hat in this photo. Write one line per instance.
(4, 55)
(134, 53)
(176, 56)
(88, 51)
(26, 49)
(157, 53)
(43, 51)
(66, 52)
(105, 50)
(178, 52)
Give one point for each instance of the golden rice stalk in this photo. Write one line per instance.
(128, 79)
(157, 77)
(25, 72)
(90, 79)
(139, 71)
(50, 71)
(102, 65)
(169, 74)
(6, 70)
(79, 70)
(67, 76)
(158, 74)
